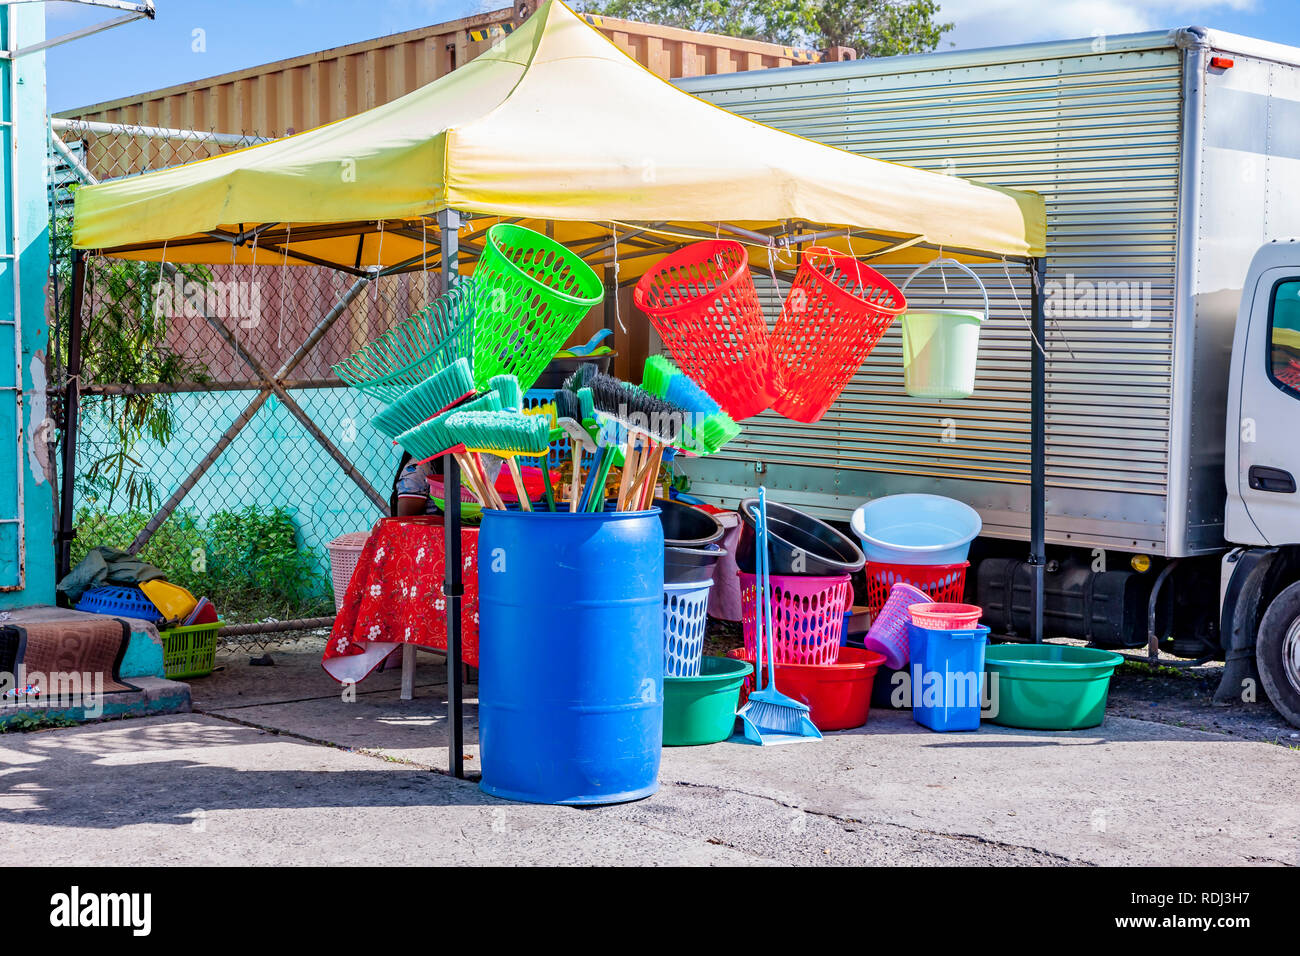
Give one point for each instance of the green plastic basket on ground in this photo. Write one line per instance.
(189, 651)
(421, 346)
(530, 293)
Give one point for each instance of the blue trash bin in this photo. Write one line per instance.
(947, 676)
(571, 655)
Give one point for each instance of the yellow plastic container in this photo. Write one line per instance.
(173, 602)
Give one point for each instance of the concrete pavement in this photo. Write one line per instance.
(281, 769)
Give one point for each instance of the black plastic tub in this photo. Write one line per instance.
(799, 544)
(691, 565)
(558, 369)
(685, 526)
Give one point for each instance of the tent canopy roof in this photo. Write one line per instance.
(554, 125)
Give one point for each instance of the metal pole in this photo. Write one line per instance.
(71, 409)
(448, 224)
(1038, 448)
(323, 326)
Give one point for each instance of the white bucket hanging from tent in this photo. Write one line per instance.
(940, 346)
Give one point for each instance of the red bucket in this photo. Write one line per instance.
(838, 695)
(835, 313)
(702, 302)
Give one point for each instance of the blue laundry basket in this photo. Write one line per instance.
(119, 601)
(947, 673)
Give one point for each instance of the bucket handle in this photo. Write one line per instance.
(960, 266)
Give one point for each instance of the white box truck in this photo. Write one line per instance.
(1170, 165)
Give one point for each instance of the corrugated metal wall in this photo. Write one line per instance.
(1098, 135)
(305, 91)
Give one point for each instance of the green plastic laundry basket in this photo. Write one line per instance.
(1048, 686)
(189, 651)
(702, 710)
(530, 293)
(941, 346)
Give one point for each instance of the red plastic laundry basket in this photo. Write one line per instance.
(940, 582)
(702, 302)
(807, 616)
(835, 313)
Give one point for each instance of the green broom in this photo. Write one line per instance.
(505, 434)
(708, 427)
(507, 386)
(571, 411)
(658, 422)
(433, 438)
(430, 398)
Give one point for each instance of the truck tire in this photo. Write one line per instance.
(1277, 653)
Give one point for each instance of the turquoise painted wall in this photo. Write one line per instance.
(24, 182)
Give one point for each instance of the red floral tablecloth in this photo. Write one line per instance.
(396, 597)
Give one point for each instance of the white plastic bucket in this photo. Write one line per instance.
(941, 346)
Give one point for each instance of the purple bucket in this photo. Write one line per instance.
(888, 633)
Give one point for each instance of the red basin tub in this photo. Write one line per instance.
(839, 694)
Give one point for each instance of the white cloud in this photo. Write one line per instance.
(980, 23)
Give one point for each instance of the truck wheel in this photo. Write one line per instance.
(1277, 652)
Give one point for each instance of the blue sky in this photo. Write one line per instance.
(239, 33)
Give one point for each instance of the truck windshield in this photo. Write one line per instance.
(1284, 336)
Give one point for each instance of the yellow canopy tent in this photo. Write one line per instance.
(557, 129)
(554, 124)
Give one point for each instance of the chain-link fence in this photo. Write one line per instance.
(212, 435)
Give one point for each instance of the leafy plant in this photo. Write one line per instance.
(872, 27)
(27, 723)
(256, 551)
(248, 562)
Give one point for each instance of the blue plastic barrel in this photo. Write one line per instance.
(571, 655)
(947, 676)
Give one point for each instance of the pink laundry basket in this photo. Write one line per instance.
(888, 633)
(344, 552)
(807, 616)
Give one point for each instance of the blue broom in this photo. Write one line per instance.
(770, 717)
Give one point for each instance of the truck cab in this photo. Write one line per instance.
(1260, 593)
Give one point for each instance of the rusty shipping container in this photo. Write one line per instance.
(305, 91)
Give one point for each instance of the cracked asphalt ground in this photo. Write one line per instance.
(278, 769)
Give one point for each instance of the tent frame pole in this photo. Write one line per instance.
(71, 410)
(453, 584)
(1038, 447)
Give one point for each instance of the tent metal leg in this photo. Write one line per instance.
(1038, 448)
(71, 410)
(448, 225)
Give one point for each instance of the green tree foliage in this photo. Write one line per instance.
(124, 340)
(872, 27)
